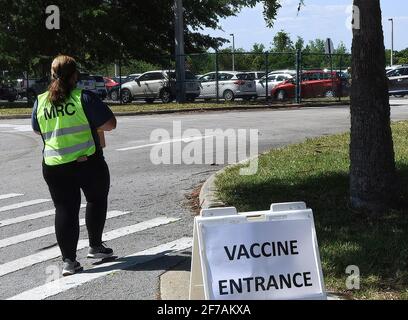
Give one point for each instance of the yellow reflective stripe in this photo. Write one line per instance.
(65, 131)
(65, 151)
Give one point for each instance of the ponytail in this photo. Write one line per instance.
(63, 70)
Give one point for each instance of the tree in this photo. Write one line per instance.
(282, 42)
(372, 173)
(102, 31)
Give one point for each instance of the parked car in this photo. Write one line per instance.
(86, 82)
(109, 83)
(100, 87)
(36, 87)
(231, 85)
(398, 81)
(273, 80)
(256, 75)
(113, 93)
(284, 71)
(314, 83)
(8, 92)
(160, 84)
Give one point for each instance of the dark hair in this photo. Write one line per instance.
(62, 70)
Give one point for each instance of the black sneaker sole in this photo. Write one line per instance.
(99, 255)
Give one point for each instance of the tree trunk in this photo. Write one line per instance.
(372, 173)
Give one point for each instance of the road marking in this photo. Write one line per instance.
(29, 217)
(17, 127)
(23, 204)
(10, 195)
(53, 253)
(186, 140)
(63, 284)
(49, 230)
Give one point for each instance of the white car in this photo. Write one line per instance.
(231, 85)
(256, 75)
(273, 80)
(160, 84)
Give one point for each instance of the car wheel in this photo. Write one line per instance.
(165, 96)
(114, 95)
(126, 96)
(329, 94)
(281, 95)
(149, 101)
(228, 95)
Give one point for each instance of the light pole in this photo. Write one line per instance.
(233, 51)
(180, 58)
(392, 41)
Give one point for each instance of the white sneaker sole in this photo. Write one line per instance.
(66, 273)
(99, 255)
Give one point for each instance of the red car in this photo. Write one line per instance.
(109, 83)
(315, 83)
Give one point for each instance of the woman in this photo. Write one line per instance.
(68, 119)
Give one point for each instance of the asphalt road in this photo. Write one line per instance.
(147, 202)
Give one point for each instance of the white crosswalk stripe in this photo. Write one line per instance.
(11, 221)
(63, 284)
(23, 204)
(53, 253)
(49, 230)
(10, 195)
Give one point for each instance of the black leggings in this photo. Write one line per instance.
(65, 183)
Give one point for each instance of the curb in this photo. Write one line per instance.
(233, 108)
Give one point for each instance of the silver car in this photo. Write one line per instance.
(231, 85)
(273, 80)
(160, 84)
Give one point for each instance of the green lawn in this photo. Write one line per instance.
(316, 172)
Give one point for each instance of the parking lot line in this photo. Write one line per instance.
(63, 284)
(186, 140)
(49, 230)
(53, 253)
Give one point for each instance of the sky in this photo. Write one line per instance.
(318, 19)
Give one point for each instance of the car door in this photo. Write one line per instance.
(404, 81)
(208, 84)
(308, 79)
(401, 81)
(153, 86)
(140, 84)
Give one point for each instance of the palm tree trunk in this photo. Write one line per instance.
(372, 173)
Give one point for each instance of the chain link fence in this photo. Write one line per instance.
(219, 77)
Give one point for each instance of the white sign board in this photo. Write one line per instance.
(265, 255)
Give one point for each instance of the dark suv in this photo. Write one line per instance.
(398, 81)
(8, 92)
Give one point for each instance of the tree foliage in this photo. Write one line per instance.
(101, 31)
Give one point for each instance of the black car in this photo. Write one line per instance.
(7, 92)
(398, 81)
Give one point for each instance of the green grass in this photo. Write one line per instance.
(10, 109)
(316, 172)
